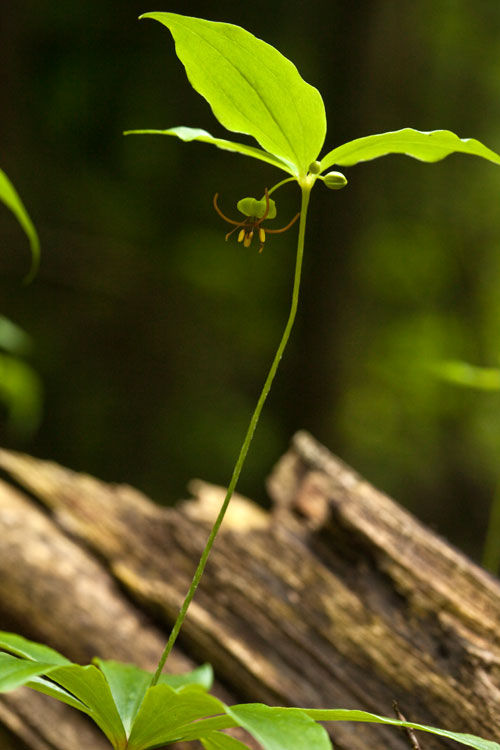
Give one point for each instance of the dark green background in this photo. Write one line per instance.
(153, 335)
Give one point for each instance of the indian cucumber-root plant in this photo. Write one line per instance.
(252, 89)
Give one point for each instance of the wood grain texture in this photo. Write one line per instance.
(339, 598)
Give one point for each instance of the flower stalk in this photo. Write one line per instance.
(306, 186)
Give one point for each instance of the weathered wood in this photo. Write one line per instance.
(45, 724)
(337, 599)
(430, 630)
(54, 591)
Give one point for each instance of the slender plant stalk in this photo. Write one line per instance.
(279, 184)
(306, 189)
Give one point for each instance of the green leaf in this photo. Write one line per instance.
(220, 741)
(425, 146)
(340, 714)
(37, 659)
(56, 691)
(166, 715)
(280, 728)
(89, 685)
(250, 87)
(201, 676)
(19, 646)
(205, 727)
(196, 134)
(15, 672)
(128, 685)
(9, 196)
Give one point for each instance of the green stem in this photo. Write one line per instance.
(279, 184)
(306, 189)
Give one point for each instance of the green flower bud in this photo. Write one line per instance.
(335, 180)
(315, 167)
(256, 209)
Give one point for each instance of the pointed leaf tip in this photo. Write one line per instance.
(340, 714)
(197, 134)
(251, 87)
(429, 146)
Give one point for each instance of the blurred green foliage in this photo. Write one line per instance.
(152, 335)
(465, 375)
(20, 396)
(20, 387)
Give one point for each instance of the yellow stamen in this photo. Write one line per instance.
(241, 235)
(248, 239)
(262, 235)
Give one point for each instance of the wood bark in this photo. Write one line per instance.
(337, 598)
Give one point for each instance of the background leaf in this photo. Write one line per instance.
(363, 716)
(12, 338)
(196, 134)
(280, 728)
(9, 196)
(251, 87)
(425, 146)
(468, 376)
(21, 393)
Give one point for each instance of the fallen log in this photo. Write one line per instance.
(337, 598)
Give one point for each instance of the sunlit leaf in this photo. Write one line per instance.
(425, 146)
(9, 196)
(165, 715)
(19, 646)
(280, 728)
(339, 714)
(196, 134)
(251, 87)
(15, 672)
